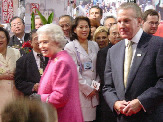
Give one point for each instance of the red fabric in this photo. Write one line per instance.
(159, 32)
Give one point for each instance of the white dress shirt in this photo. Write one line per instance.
(21, 39)
(135, 41)
(37, 58)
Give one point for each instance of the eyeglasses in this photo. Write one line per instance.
(16, 24)
(101, 38)
(154, 23)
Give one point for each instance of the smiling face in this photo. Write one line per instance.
(17, 26)
(3, 41)
(102, 39)
(128, 24)
(82, 30)
(47, 46)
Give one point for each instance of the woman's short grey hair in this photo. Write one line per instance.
(54, 32)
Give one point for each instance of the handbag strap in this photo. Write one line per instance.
(78, 60)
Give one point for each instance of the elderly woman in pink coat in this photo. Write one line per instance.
(59, 83)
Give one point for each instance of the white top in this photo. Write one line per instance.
(37, 58)
(21, 39)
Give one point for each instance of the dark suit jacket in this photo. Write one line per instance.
(101, 61)
(145, 80)
(27, 73)
(104, 113)
(14, 40)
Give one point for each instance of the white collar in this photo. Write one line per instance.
(136, 38)
(21, 38)
(35, 54)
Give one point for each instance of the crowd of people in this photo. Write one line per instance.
(81, 70)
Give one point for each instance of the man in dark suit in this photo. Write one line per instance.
(18, 28)
(104, 114)
(135, 95)
(29, 69)
(150, 21)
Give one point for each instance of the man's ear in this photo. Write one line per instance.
(140, 21)
(143, 22)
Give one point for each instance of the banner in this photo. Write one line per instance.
(7, 10)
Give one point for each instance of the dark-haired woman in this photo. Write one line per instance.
(84, 53)
(8, 58)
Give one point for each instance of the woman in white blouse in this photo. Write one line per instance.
(84, 53)
(8, 58)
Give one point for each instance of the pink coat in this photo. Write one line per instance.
(60, 83)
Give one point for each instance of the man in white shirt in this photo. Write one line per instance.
(18, 29)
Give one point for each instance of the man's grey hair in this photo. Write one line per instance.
(54, 32)
(107, 17)
(132, 6)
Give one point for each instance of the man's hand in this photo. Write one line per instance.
(120, 105)
(133, 107)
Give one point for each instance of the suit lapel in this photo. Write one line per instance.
(17, 41)
(26, 37)
(119, 61)
(138, 58)
(79, 48)
(91, 50)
